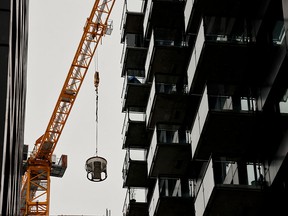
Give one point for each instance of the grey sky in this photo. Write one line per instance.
(55, 29)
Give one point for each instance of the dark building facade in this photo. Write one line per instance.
(205, 102)
(13, 69)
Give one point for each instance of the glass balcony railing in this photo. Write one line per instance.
(132, 42)
(170, 187)
(278, 34)
(283, 104)
(130, 6)
(165, 136)
(212, 36)
(149, 54)
(154, 42)
(227, 175)
(129, 80)
(199, 121)
(187, 12)
(132, 196)
(132, 155)
(218, 103)
(162, 88)
(147, 15)
(205, 191)
(195, 55)
(131, 117)
(150, 100)
(123, 52)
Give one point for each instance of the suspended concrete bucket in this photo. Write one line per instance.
(96, 168)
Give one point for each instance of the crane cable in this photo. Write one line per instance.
(96, 84)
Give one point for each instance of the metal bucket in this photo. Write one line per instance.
(96, 168)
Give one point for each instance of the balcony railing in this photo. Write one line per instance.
(133, 80)
(278, 33)
(229, 175)
(187, 11)
(132, 155)
(154, 42)
(150, 100)
(165, 136)
(147, 15)
(206, 35)
(195, 55)
(162, 88)
(130, 6)
(132, 196)
(170, 187)
(217, 103)
(283, 104)
(133, 42)
(131, 117)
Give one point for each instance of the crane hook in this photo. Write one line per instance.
(96, 79)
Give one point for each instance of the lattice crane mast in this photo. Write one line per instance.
(35, 188)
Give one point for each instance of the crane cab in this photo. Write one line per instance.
(96, 168)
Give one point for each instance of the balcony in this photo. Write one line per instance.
(133, 53)
(224, 56)
(168, 103)
(165, 56)
(231, 127)
(135, 203)
(163, 14)
(133, 56)
(169, 152)
(132, 18)
(135, 169)
(172, 197)
(228, 196)
(134, 133)
(135, 94)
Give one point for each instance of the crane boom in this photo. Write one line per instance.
(35, 188)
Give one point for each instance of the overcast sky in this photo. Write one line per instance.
(55, 29)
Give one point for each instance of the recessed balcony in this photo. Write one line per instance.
(169, 152)
(135, 169)
(172, 197)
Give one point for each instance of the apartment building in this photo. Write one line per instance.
(13, 69)
(205, 104)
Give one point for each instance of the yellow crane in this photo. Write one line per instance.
(35, 188)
